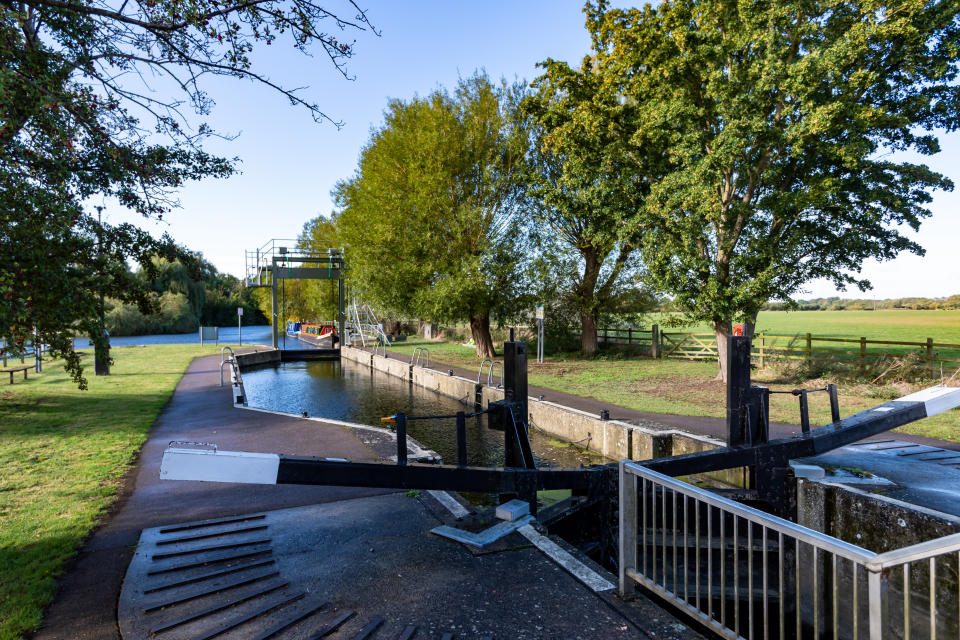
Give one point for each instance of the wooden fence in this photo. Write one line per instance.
(862, 352)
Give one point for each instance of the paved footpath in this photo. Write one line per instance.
(85, 606)
(367, 550)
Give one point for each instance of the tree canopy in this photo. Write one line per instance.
(586, 190)
(429, 219)
(99, 100)
(780, 123)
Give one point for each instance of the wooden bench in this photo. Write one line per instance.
(23, 367)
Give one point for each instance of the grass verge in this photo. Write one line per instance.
(63, 454)
(682, 387)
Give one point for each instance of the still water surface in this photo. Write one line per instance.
(228, 335)
(348, 391)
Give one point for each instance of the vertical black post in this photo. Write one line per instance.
(804, 412)
(515, 391)
(402, 439)
(273, 304)
(834, 403)
(461, 439)
(738, 386)
(342, 314)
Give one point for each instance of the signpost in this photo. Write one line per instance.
(239, 326)
(540, 333)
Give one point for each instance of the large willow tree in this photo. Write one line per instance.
(428, 219)
(781, 124)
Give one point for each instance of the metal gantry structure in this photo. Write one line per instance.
(286, 259)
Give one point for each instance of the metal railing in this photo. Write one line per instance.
(747, 574)
(231, 360)
(415, 358)
(493, 364)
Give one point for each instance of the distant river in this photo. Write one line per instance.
(228, 335)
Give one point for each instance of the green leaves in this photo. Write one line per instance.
(429, 218)
(80, 120)
(776, 122)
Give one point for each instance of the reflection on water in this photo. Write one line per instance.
(345, 390)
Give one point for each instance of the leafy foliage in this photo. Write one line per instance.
(428, 219)
(587, 187)
(95, 102)
(778, 121)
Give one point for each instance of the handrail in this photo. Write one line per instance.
(919, 551)
(490, 374)
(233, 366)
(755, 554)
(834, 545)
(417, 354)
(493, 363)
(223, 356)
(480, 372)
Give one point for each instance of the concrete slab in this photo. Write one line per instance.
(920, 474)
(374, 557)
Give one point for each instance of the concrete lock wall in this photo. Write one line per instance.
(267, 356)
(868, 520)
(390, 366)
(881, 524)
(611, 438)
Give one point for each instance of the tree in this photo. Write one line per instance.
(96, 98)
(779, 121)
(428, 220)
(586, 190)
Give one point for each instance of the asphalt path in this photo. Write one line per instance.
(85, 606)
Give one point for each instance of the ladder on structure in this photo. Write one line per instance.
(364, 326)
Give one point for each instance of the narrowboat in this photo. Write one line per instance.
(320, 335)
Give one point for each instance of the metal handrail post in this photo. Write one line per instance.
(628, 528)
(490, 374)
(480, 372)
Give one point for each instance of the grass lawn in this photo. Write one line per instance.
(63, 453)
(684, 387)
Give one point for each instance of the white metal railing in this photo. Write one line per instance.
(418, 353)
(493, 364)
(747, 574)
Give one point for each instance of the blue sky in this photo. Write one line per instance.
(289, 164)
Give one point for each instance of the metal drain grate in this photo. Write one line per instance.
(222, 578)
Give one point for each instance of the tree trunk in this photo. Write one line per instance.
(721, 330)
(480, 329)
(587, 300)
(588, 336)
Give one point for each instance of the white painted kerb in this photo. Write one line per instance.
(219, 466)
(555, 552)
(936, 399)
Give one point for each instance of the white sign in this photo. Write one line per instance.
(539, 312)
(239, 311)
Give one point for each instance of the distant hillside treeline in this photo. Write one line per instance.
(844, 304)
(187, 297)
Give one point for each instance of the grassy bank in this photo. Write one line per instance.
(684, 387)
(63, 453)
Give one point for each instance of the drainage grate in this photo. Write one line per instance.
(222, 578)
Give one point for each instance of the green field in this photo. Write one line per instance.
(899, 325)
(63, 455)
